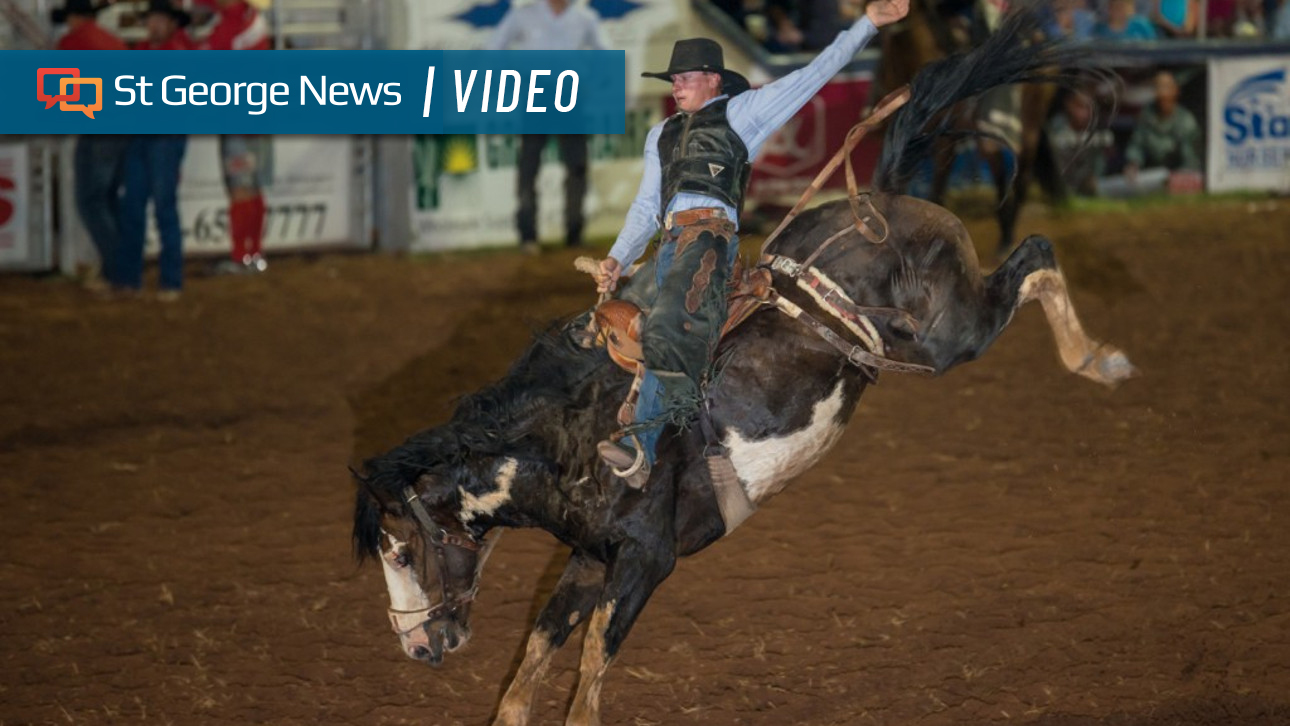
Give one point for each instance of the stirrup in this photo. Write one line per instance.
(636, 465)
(614, 455)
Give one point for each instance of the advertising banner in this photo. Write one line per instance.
(464, 191)
(1249, 123)
(307, 203)
(453, 173)
(15, 241)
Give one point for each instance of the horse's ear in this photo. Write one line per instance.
(364, 484)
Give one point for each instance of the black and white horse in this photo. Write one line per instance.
(521, 453)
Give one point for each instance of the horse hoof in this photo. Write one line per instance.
(1114, 368)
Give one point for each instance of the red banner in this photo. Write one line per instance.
(792, 157)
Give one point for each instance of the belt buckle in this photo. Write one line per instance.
(702, 212)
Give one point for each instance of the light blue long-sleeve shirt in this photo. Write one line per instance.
(754, 116)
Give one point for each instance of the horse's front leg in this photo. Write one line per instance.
(632, 577)
(575, 595)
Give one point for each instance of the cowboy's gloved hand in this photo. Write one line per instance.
(607, 275)
(886, 12)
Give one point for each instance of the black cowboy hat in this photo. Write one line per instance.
(702, 54)
(75, 7)
(164, 7)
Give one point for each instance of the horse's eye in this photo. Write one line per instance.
(402, 559)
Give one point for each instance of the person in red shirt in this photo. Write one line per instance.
(152, 166)
(165, 25)
(239, 27)
(99, 158)
(247, 158)
(83, 31)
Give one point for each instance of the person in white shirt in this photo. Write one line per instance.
(697, 164)
(550, 25)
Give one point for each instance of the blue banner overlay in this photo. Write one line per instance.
(312, 92)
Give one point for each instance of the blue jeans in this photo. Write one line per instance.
(649, 401)
(97, 165)
(152, 172)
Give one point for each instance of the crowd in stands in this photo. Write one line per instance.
(791, 26)
(1102, 147)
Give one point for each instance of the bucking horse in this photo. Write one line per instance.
(902, 290)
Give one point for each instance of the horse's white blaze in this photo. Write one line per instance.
(765, 467)
(405, 591)
(473, 506)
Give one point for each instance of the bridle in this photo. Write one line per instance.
(439, 539)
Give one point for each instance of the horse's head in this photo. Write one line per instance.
(432, 563)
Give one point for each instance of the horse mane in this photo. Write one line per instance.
(1015, 53)
(518, 415)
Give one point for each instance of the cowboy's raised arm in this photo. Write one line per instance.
(755, 115)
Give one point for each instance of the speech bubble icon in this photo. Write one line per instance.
(51, 100)
(87, 108)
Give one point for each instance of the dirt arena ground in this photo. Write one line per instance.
(1007, 544)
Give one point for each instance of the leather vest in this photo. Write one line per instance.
(699, 153)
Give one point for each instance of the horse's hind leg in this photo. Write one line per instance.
(574, 596)
(1031, 273)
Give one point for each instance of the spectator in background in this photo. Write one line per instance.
(550, 25)
(769, 22)
(1122, 23)
(164, 23)
(99, 158)
(1073, 18)
(1249, 20)
(821, 21)
(1166, 135)
(1281, 27)
(83, 30)
(247, 158)
(152, 172)
(1165, 141)
(1080, 148)
(1178, 17)
(1220, 17)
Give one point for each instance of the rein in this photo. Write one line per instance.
(439, 539)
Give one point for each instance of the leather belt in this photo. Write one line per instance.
(690, 216)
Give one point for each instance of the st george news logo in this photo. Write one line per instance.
(69, 101)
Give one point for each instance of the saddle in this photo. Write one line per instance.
(618, 322)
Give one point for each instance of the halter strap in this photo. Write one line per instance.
(439, 539)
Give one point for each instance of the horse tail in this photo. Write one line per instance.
(1015, 53)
